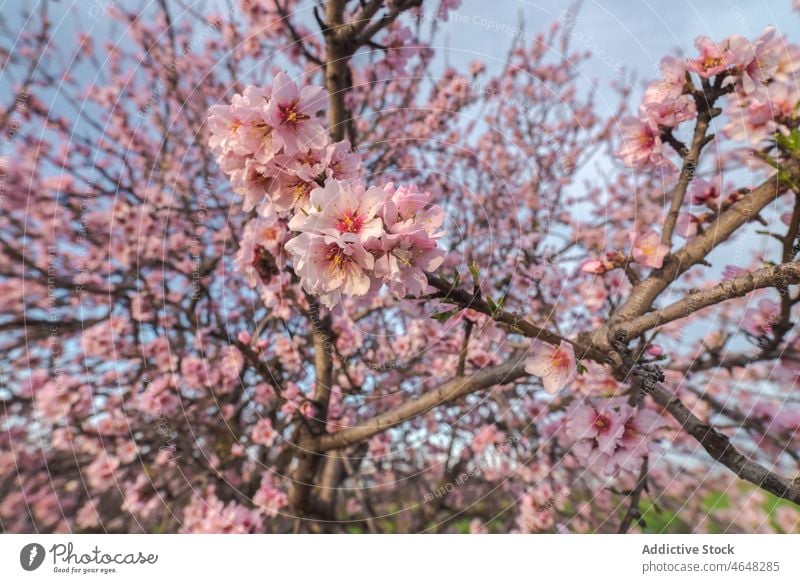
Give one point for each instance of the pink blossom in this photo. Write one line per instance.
(340, 208)
(293, 115)
(290, 191)
(269, 498)
(641, 143)
(252, 182)
(634, 442)
(669, 112)
(241, 128)
(687, 226)
(488, 435)
(209, 514)
(732, 271)
(713, 59)
(232, 361)
(263, 433)
(196, 374)
(604, 425)
(648, 249)
(664, 102)
(405, 259)
(752, 121)
(101, 473)
(342, 163)
(596, 266)
(673, 79)
(758, 321)
(331, 265)
(226, 121)
(610, 436)
(397, 52)
(762, 63)
(554, 364)
(654, 350)
(595, 296)
(86, 516)
(127, 452)
(158, 397)
(409, 246)
(254, 136)
(788, 63)
(54, 401)
(607, 262)
(703, 192)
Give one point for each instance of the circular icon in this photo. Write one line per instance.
(31, 556)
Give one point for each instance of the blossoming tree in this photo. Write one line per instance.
(282, 270)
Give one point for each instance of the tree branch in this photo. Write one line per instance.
(645, 293)
(720, 448)
(691, 156)
(448, 392)
(773, 276)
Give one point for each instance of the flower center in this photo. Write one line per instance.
(559, 359)
(290, 114)
(629, 432)
(404, 256)
(710, 62)
(350, 222)
(335, 257)
(646, 139)
(649, 249)
(602, 423)
(300, 190)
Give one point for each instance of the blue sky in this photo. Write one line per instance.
(633, 35)
(621, 33)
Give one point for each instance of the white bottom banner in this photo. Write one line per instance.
(390, 558)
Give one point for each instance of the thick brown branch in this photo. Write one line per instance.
(515, 321)
(339, 48)
(773, 276)
(645, 293)
(446, 393)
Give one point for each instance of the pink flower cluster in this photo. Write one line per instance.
(209, 514)
(609, 435)
(761, 73)
(352, 238)
(665, 105)
(274, 147)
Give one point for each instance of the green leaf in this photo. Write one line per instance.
(492, 306)
(790, 143)
(444, 316)
(473, 269)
